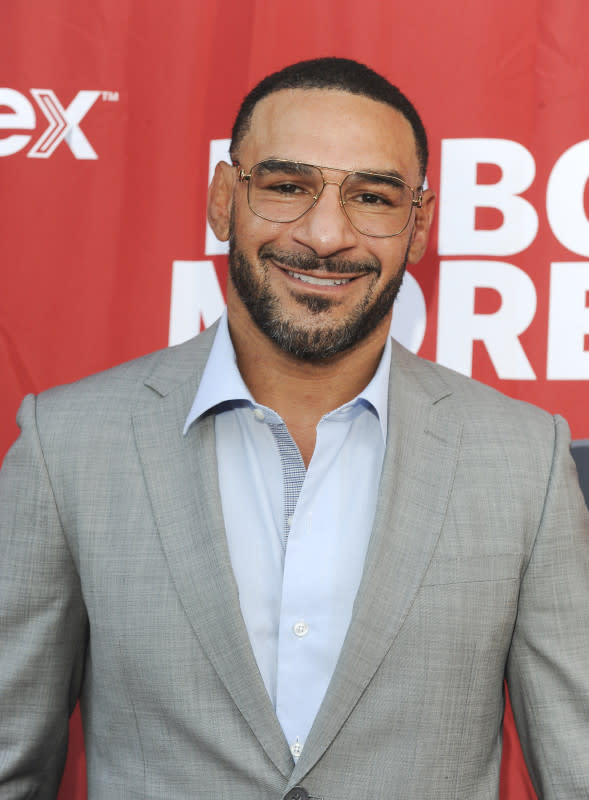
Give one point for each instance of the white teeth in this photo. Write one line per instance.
(318, 281)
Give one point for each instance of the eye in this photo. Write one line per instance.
(375, 193)
(370, 199)
(286, 180)
(286, 188)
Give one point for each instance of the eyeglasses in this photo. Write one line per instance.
(283, 191)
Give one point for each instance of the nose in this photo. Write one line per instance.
(325, 229)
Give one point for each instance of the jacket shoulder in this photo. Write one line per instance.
(474, 402)
(162, 371)
(114, 394)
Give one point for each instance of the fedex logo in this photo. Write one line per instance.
(63, 123)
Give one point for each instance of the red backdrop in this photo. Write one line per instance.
(109, 112)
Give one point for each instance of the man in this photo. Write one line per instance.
(289, 559)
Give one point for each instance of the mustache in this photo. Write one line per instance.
(307, 262)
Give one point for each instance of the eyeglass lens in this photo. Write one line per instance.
(282, 191)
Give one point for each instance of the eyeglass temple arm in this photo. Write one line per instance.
(241, 175)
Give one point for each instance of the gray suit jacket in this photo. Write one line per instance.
(116, 586)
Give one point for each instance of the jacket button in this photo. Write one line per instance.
(298, 793)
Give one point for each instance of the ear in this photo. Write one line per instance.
(421, 227)
(220, 200)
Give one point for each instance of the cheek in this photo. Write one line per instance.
(251, 232)
(389, 257)
(393, 257)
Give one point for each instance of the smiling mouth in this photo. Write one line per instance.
(319, 281)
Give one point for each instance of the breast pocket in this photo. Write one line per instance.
(474, 569)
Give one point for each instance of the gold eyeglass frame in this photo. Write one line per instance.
(416, 193)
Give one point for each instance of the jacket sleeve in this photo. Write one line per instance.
(548, 665)
(43, 624)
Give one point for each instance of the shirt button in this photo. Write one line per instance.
(298, 793)
(258, 414)
(296, 749)
(300, 628)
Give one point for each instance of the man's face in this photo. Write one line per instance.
(316, 286)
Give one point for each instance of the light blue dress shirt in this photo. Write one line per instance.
(297, 539)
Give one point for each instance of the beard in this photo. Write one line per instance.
(327, 337)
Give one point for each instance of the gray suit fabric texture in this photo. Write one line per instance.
(116, 587)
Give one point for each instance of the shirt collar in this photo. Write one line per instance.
(376, 393)
(221, 382)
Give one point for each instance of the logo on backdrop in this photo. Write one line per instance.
(63, 123)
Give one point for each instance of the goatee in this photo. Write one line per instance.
(321, 341)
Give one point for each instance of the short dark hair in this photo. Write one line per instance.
(332, 73)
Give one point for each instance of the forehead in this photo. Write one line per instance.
(331, 128)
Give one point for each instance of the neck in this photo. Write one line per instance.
(302, 392)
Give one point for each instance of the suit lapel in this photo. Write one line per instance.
(181, 477)
(420, 460)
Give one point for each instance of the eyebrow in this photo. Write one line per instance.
(299, 168)
(284, 165)
(382, 177)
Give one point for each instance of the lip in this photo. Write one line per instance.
(319, 281)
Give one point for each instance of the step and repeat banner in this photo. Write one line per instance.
(114, 112)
